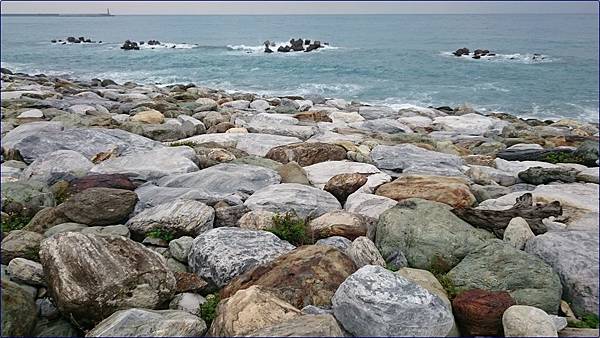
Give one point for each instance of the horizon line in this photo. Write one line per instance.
(280, 14)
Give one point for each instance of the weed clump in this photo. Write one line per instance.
(291, 228)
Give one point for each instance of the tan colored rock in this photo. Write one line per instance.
(339, 223)
(343, 185)
(364, 252)
(237, 131)
(308, 275)
(527, 321)
(449, 190)
(257, 220)
(291, 172)
(427, 280)
(149, 116)
(323, 325)
(249, 310)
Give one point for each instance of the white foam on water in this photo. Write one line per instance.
(528, 58)
(261, 48)
(171, 45)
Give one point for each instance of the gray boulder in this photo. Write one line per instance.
(574, 255)
(180, 217)
(91, 277)
(322, 325)
(18, 310)
(180, 248)
(428, 234)
(57, 165)
(339, 242)
(498, 266)
(26, 271)
(149, 323)
(99, 206)
(305, 201)
(368, 204)
(385, 125)
(377, 112)
(410, 159)
(221, 254)
(374, 301)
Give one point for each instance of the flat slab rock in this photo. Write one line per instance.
(224, 179)
(221, 254)
(319, 174)
(57, 165)
(374, 301)
(323, 325)
(90, 276)
(305, 201)
(407, 158)
(252, 143)
(149, 323)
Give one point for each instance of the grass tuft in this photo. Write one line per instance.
(162, 234)
(588, 321)
(208, 309)
(291, 228)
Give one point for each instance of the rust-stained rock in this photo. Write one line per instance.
(91, 276)
(307, 153)
(115, 181)
(449, 190)
(249, 310)
(313, 116)
(308, 275)
(189, 282)
(342, 185)
(339, 223)
(479, 312)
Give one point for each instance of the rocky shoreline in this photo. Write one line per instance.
(137, 210)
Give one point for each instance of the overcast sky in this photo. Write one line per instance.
(291, 7)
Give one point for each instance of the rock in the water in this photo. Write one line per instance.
(150, 165)
(149, 323)
(449, 190)
(26, 271)
(99, 206)
(18, 310)
(574, 255)
(527, 321)
(479, 312)
(539, 175)
(306, 154)
(410, 159)
(180, 218)
(376, 302)
(305, 201)
(428, 234)
(527, 278)
(364, 252)
(221, 254)
(249, 310)
(21, 243)
(339, 223)
(308, 275)
(368, 204)
(91, 277)
(321, 325)
(224, 179)
(518, 232)
(57, 165)
(343, 185)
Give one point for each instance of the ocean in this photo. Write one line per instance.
(389, 59)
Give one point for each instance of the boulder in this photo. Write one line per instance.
(180, 248)
(587, 152)
(487, 175)
(238, 104)
(527, 278)
(149, 116)
(26, 271)
(319, 174)
(318, 325)
(539, 175)
(180, 217)
(364, 252)
(449, 190)
(339, 223)
(138, 322)
(368, 204)
(427, 281)
(479, 312)
(249, 310)
(385, 125)
(343, 185)
(18, 310)
(252, 143)
(574, 256)
(410, 159)
(25, 198)
(527, 321)
(427, 233)
(374, 301)
(110, 230)
(224, 179)
(291, 172)
(188, 302)
(342, 243)
(468, 124)
(518, 232)
(151, 165)
(257, 220)
(306, 154)
(99, 206)
(221, 254)
(305, 201)
(115, 181)
(308, 275)
(90, 276)
(57, 165)
(189, 282)
(21, 244)
(377, 112)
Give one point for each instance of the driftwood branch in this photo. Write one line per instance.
(497, 220)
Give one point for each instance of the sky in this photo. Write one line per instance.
(298, 7)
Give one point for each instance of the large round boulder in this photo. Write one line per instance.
(479, 312)
(91, 276)
(307, 153)
(374, 301)
(308, 275)
(57, 165)
(99, 206)
(221, 254)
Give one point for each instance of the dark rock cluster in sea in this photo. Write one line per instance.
(142, 210)
(296, 45)
(72, 39)
(477, 54)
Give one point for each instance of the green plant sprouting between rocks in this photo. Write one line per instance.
(588, 321)
(14, 222)
(161, 233)
(208, 309)
(291, 228)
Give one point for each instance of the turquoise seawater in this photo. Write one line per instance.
(390, 59)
